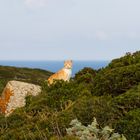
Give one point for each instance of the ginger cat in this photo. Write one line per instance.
(63, 74)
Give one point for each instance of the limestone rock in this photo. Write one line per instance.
(14, 94)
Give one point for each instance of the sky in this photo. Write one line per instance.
(68, 29)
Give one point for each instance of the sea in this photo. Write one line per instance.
(54, 66)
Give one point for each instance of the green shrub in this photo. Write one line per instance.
(2, 85)
(116, 81)
(130, 125)
(98, 107)
(127, 101)
(61, 95)
(85, 75)
(128, 59)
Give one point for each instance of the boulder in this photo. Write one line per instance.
(14, 94)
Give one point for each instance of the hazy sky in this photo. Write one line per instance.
(68, 29)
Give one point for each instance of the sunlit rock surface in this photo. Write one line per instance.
(14, 94)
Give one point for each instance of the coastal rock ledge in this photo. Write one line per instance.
(13, 95)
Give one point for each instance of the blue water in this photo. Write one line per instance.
(54, 66)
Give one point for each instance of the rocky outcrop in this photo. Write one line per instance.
(14, 94)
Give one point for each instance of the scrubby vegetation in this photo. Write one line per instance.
(92, 132)
(111, 94)
(36, 76)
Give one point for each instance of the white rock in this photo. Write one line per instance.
(14, 95)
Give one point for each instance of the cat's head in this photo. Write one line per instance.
(68, 64)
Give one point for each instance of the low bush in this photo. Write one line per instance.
(130, 125)
(92, 132)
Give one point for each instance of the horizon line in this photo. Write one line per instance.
(62, 60)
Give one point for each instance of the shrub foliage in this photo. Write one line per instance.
(111, 94)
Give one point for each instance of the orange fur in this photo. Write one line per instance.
(63, 74)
